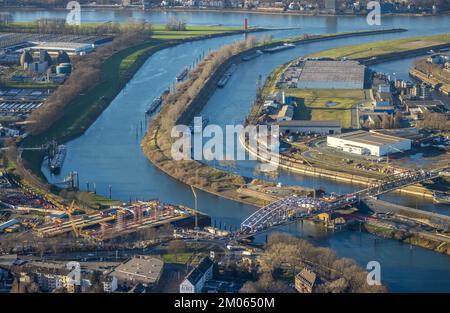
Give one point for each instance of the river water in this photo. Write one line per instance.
(109, 152)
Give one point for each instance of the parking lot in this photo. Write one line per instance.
(19, 102)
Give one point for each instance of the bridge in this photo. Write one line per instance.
(292, 208)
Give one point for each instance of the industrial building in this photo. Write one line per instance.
(368, 143)
(310, 127)
(324, 74)
(286, 113)
(140, 269)
(71, 48)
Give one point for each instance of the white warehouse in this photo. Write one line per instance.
(368, 143)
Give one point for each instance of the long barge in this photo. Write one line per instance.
(283, 47)
(224, 80)
(57, 160)
(156, 103)
(252, 56)
(182, 75)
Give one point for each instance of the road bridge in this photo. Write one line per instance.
(291, 208)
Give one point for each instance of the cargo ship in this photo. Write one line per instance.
(223, 81)
(154, 105)
(57, 159)
(182, 75)
(283, 47)
(252, 56)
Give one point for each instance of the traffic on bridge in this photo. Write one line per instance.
(291, 208)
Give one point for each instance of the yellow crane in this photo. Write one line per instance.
(69, 210)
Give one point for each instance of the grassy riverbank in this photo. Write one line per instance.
(116, 71)
(427, 241)
(326, 104)
(379, 48)
(181, 109)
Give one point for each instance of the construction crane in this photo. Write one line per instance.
(72, 222)
(68, 210)
(195, 206)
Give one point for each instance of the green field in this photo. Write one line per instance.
(383, 47)
(326, 104)
(116, 71)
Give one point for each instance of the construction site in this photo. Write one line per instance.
(22, 209)
(121, 220)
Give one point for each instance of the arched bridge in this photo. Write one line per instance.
(291, 208)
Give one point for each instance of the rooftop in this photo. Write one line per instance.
(307, 276)
(196, 274)
(140, 268)
(343, 71)
(370, 138)
(307, 123)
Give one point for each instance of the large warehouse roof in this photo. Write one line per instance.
(369, 138)
(308, 123)
(140, 268)
(331, 71)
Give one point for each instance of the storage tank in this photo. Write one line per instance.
(64, 68)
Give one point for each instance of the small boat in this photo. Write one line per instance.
(441, 197)
(252, 56)
(283, 47)
(154, 105)
(183, 74)
(223, 81)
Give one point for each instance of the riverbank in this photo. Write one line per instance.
(220, 10)
(383, 51)
(435, 83)
(156, 144)
(366, 53)
(116, 71)
(420, 239)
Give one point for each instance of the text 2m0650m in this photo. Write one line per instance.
(246, 302)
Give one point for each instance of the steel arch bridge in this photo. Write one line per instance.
(281, 211)
(291, 208)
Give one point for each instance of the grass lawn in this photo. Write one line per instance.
(383, 47)
(326, 104)
(159, 31)
(180, 258)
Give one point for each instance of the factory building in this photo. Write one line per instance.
(71, 48)
(368, 143)
(310, 127)
(324, 74)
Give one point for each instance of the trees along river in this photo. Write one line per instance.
(109, 152)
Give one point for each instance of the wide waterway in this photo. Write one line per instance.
(109, 152)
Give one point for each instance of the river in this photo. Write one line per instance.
(109, 152)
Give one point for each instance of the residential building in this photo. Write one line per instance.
(195, 280)
(109, 284)
(305, 281)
